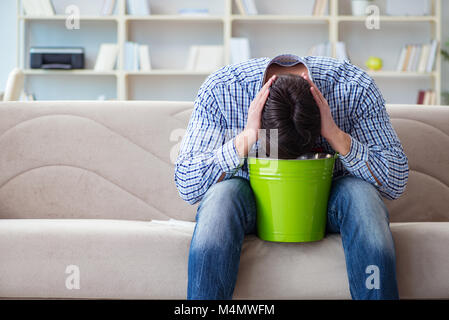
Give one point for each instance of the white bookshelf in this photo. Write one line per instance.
(281, 26)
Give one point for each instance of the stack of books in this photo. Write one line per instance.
(319, 8)
(38, 7)
(205, 58)
(137, 57)
(427, 97)
(240, 50)
(418, 58)
(246, 7)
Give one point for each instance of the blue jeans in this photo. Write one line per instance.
(355, 210)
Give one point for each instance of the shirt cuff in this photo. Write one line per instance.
(228, 159)
(356, 157)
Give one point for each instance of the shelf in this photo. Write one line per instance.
(175, 17)
(78, 72)
(401, 74)
(161, 72)
(64, 17)
(280, 18)
(390, 18)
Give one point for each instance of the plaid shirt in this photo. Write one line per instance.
(357, 106)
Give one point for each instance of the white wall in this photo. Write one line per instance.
(8, 49)
(8, 36)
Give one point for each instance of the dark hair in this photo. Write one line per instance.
(292, 110)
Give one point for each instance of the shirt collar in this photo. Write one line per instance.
(286, 60)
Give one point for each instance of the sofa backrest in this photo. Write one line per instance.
(424, 134)
(114, 160)
(89, 159)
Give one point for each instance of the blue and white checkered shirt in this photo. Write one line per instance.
(357, 106)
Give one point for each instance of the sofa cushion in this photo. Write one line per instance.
(140, 259)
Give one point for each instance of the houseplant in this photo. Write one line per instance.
(445, 54)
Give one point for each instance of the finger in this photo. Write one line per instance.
(269, 83)
(319, 98)
(265, 88)
(306, 77)
(315, 96)
(263, 99)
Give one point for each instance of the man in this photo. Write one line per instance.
(212, 168)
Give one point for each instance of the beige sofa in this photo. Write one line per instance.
(80, 183)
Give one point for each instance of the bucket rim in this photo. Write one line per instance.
(334, 156)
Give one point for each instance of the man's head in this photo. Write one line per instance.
(291, 109)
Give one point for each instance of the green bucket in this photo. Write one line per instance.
(291, 197)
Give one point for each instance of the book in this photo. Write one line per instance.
(240, 50)
(193, 54)
(131, 56)
(341, 53)
(108, 7)
(427, 97)
(30, 7)
(107, 56)
(413, 55)
(433, 98)
(135, 58)
(319, 7)
(432, 55)
(205, 58)
(250, 7)
(38, 7)
(420, 99)
(47, 7)
(315, 8)
(423, 58)
(240, 7)
(138, 7)
(144, 55)
(407, 58)
(401, 59)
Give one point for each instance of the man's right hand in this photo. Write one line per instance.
(248, 137)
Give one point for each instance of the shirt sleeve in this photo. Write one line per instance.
(207, 150)
(376, 154)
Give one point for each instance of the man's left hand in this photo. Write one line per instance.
(338, 139)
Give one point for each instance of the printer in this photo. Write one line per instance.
(57, 58)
